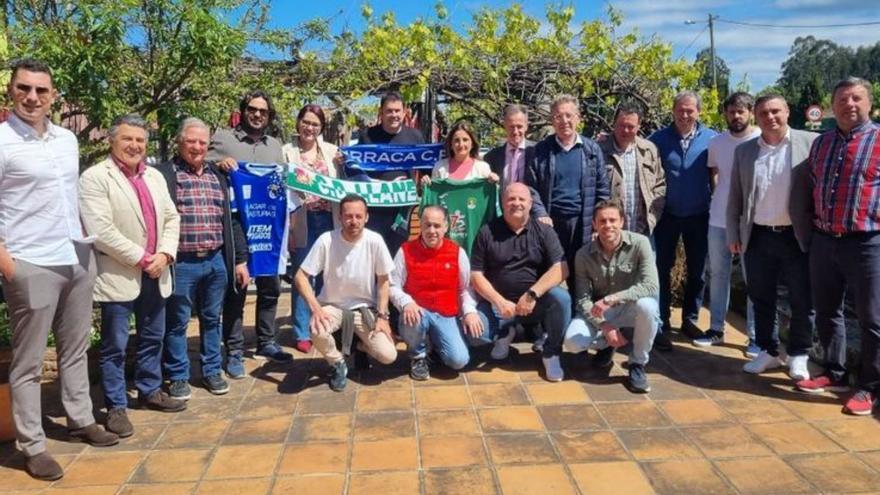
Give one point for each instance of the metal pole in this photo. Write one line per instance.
(712, 50)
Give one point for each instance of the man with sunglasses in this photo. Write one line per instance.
(250, 141)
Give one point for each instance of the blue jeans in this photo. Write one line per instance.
(149, 311)
(445, 334)
(720, 260)
(318, 222)
(693, 230)
(199, 282)
(552, 311)
(643, 316)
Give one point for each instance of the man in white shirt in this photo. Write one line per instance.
(356, 266)
(769, 223)
(738, 109)
(47, 268)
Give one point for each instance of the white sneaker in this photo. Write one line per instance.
(502, 346)
(762, 363)
(553, 369)
(797, 368)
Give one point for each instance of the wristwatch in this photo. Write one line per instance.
(532, 295)
(383, 315)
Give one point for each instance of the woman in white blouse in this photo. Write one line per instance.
(462, 160)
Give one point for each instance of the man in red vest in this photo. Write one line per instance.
(429, 286)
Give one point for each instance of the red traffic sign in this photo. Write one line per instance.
(814, 113)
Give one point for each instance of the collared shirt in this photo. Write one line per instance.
(687, 139)
(512, 262)
(633, 204)
(514, 163)
(846, 174)
(773, 182)
(628, 275)
(145, 200)
(200, 202)
(577, 141)
(398, 277)
(39, 209)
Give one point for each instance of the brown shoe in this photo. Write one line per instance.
(118, 423)
(95, 436)
(43, 467)
(160, 401)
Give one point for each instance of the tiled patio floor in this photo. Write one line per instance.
(705, 428)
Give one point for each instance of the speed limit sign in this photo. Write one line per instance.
(814, 113)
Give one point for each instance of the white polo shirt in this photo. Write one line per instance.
(773, 182)
(39, 210)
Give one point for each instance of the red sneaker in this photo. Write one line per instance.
(822, 383)
(304, 346)
(860, 404)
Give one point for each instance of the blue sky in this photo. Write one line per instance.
(753, 52)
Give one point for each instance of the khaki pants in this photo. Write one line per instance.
(376, 344)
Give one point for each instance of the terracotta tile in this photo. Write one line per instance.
(174, 465)
(310, 458)
(82, 490)
(243, 461)
(499, 394)
(726, 441)
(666, 389)
(632, 415)
(447, 397)
(692, 476)
(815, 408)
(612, 391)
(694, 412)
(513, 418)
(14, 477)
(611, 478)
(395, 453)
(190, 435)
(763, 475)
(266, 430)
(557, 393)
(871, 458)
(757, 411)
(491, 374)
(159, 489)
(399, 483)
(251, 486)
(144, 438)
(793, 438)
(836, 473)
(208, 409)
(147, 416)
(857, 434)
(326, 427)
(571, 417)
(384, 400)
(381, 378)
(101, 469)
(531, 448)
(438, 423)
(325, 484)
(378, 426)
(468, 481)
(267, 406)
(523, 480)
(458, 451)
(658, 444)
(589, 446)
(327, 402)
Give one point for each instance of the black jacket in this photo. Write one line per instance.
(235, 249)
(496, 157)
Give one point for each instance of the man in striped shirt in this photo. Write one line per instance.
(845, 253)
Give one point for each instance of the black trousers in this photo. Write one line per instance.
(268, 291)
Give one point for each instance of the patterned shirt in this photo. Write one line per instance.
(845, 170)
(633, 205)
(200, 204)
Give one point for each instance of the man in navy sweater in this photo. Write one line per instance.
(683, 148)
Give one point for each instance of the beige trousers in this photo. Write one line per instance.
(376, 344)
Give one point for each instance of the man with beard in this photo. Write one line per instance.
(249, 142)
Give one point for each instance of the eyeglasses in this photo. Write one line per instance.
(313, 125)
(258, 111)
(565, 117)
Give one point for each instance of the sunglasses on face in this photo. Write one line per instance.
(258, 111)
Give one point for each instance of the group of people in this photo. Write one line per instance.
(580, 257)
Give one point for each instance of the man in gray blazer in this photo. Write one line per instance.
(769, 222)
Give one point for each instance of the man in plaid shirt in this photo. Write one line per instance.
(845, 252)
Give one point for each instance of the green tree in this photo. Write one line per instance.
(704, 59)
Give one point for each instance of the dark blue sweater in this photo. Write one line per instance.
(687, 175)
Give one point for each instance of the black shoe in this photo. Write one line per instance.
(361, 360)
(419, 370)
(215, 384)
(160, 401)
(118, 423)
(179, 389)
(662, 342)
(638, 379)
(603, 358)
(691, 330)
(338, 376)
(43, 467)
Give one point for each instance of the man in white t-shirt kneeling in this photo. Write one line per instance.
(356, 266)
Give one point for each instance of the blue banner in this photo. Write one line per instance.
(392, 157)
